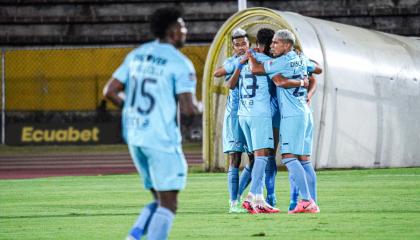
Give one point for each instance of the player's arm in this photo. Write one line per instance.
(233, 81)
(256, 67)
(283, 82)
(311, 88)
(112, 91)
(315, 69)
(187, 104)
(220, 72)
(185, 85)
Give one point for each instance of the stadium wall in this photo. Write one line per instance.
(88, 22)
(366, 104)
(50, 91)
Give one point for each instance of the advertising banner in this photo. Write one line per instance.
(62, 134)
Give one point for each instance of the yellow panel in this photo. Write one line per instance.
(70, 79)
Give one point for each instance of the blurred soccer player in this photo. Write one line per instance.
(154, 77)
(295, 135)
(233, 139)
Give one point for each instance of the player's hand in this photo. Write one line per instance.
(309, 98)
(305, 82)
(250, 53)
(244, 59)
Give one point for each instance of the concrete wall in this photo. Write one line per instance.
(69, 22)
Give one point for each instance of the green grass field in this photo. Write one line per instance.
(355, 204)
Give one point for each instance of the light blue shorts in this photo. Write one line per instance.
(258, 132)
(296, 134)
(233, 137)
(161, 171)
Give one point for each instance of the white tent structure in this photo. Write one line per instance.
(367, 104)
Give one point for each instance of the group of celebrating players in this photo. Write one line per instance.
(271, 87)
(268, 103)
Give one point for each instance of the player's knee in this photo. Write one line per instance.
(263, 152)
(169, 200)
(235, 159)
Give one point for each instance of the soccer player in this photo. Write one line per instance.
(264, 38)
(295, 139)
(312, 68)
(233, 139)
(154, 78)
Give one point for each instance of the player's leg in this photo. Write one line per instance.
(294, 193)
(248, 203)
(140, 227)
(310, 176)
(271, 172)
(245, 177)
(233, 181)
(261, 159)
(233, 143)
(306, 161)
(292, 134)
(263, 144)
(168, 173)
(161, 222)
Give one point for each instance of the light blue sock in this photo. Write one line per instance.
(244, 179)
(257, 174)
(233, 182)
(310, 177)
(298, 175)
(140, 227)
(161, 224)
(294, 191)
(270, 175)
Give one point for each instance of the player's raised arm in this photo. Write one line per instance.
(233, 81)
(220, 72)
(256, 67)
(112, 92)
(281, 81)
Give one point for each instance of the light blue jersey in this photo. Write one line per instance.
(292, 101)
(255, 91)
(153, 75)
(233, 138)
(232, 101)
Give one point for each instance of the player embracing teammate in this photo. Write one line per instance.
(296, 116)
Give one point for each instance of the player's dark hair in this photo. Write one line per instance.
(265, 37)
(162, 19)
(240, 36)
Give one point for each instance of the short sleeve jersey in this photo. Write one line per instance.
(292, 100)
(153, 75)
(232, 101)
(255, 91)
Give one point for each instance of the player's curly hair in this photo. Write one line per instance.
(162, 19)
(265, 37)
